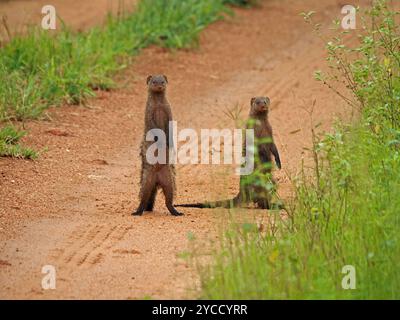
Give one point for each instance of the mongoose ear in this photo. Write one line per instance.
(148, 79)
(252, 101)
(165, 77)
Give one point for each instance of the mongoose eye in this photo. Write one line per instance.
(158, 82)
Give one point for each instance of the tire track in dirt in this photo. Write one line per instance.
(74, 213)
(87, 247)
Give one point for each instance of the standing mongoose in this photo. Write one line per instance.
(158, 175)
(251, 190)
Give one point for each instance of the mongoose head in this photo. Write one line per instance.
(157, 83)
(260, 105)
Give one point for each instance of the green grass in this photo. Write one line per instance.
(350, 217)
(42, 70)
(9, 144)
(346, 210)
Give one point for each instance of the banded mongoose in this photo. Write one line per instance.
(266, 148)
(158, 175)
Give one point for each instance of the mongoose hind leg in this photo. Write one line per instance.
(167, 185)
(263, 203)
(169, 200)
(145, 194)
(150, 203)
(237, 201)
(139, 211)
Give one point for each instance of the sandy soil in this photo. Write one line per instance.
(71, 207)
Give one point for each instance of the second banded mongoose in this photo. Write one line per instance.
(158, 175)
(266, 149)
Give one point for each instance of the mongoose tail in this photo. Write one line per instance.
(231, 203)
(194, 205)
(228, 204)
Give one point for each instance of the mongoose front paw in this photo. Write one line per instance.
(137, 213)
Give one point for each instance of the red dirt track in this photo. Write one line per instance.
(71, 207)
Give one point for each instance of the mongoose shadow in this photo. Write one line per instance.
(157, 175)
(250, 190)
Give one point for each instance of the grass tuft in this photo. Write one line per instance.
(9, 144)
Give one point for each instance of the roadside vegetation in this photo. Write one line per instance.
(39, 69)
(10, 144)
(346, 210)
